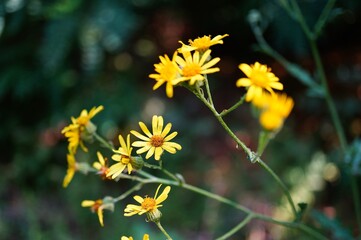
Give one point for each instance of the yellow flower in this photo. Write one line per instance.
(148, 205)
(202, 44)
(259, 78)
(156, 142)
(72, 132)
(72, 168)
(95, 206)
(84, 119)
(98, 206)
(275, 108)
(123, 156)
(101, 166)
(193, 67)
(81, 128)
(167, 72)
(145, 237)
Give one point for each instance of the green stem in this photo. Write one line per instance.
(331, 106)
(236, 228)
(162, 230)
(321, 22)
(356, 199)
(296, 225)
(102, 141)
(251, 155)
(236, 105)
(280, 183)
(165, 171)
(208, 91)
(130, 191)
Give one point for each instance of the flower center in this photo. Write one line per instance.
(191, 70)
(156, 140)
(168, 72)
(125, 160)
(202, 44)
(149, 204)
(96, 205)
(259, 78)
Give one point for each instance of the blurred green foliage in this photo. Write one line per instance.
(58, 57)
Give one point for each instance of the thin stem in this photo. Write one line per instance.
(210, 100)
(103, 141)
(280, 183)
(251, 155)
(165, 171)
(331, 106)
(224, 125)
(130, 191)
(297, 225)
(236, 228)
(235, 106)
(323, 17)
(356, 199)
(163, 230)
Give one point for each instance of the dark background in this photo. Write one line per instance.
(59, 57)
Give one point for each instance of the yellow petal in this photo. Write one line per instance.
(87, 203)
(163, 196)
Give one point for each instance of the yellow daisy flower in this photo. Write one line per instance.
(148, 205)
(202, 44)
(124, 158)
(101, 166)
(157, 141)
(193, 67)
(167, 72)
(145, 237)
(259, 78)
(275, 109)
(98, 206)
(84, 119)
(72, 132)
(81, 128)
(72, 168)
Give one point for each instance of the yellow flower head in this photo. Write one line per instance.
(98, 206)
(145, 237)
(259, 78)
(148, 205)
(167, 72)
(80, 129)
(157, 141)
(101, 166)
(275, 108)
(202, 44)
(84, 119)
(193, 67)
(72, 168)
(123, 156)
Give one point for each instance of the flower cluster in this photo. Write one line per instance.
(191, 67)
(188, 67)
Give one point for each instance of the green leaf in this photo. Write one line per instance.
(353, 157)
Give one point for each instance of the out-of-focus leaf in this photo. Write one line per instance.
(353, 157)
(58, 38)
(332, 225)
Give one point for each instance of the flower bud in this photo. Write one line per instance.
(136, 162)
